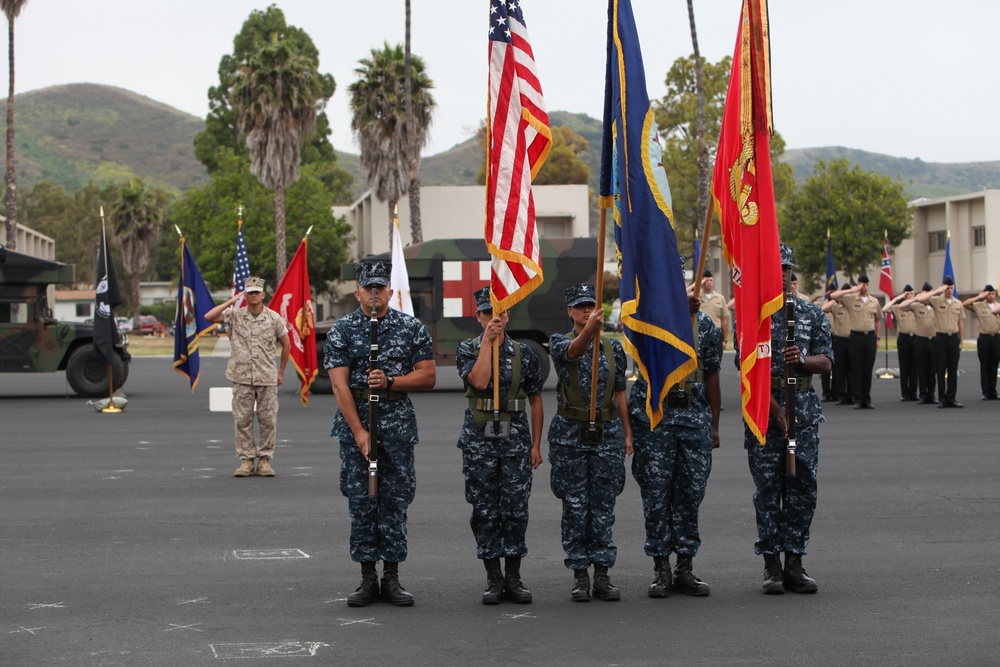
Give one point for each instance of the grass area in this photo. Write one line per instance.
(151, 346)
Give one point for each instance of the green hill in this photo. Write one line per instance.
(75, 133)
(79, 132)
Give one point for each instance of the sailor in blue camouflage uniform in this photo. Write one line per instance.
(672, 462)
(588, 472)
(498, 469)
(785, 505)
(405, 363)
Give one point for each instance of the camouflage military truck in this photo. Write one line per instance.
(444, 274)
(31, 341)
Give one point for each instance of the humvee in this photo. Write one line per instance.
(443, 275)
(32, 341)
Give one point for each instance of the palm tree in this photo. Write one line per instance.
(277, 94)
(136, 219)
(390, 152)
(11, 8)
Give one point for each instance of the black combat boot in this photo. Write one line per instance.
(796, 579)
(494, 581)
(773, 576)
(660, 588)
(513, 589)
(581, 586)
(684, 580)
(603, 588)
(367, 592)
(392, 591)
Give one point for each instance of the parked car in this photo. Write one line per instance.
(149, 325)
(124, 324)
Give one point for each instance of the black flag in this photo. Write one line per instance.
(108, 298)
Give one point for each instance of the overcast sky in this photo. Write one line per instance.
(907, 78)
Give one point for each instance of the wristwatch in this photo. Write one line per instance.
(389, 382)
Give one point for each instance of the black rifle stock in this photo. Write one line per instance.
(373, 404)
(790, 380)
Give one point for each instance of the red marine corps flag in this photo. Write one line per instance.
(518, 140)
(744, 200)
(292, 300)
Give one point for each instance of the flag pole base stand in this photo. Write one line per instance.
(111, 408)
(886, 373)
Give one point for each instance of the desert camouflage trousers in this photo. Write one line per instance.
(266, 399)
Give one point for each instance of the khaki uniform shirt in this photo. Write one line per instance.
(839, 325)
(715, 307)
(923, 319)
(254, 343)
(862, 314)
(905, 320)
(946, 313)
(988, 322)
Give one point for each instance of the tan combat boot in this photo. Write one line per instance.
(264, 468)
(245, 469)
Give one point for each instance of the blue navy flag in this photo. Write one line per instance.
(241, 270)
(108, 297)
(659, 333)
(193, 302)
(949, 270)
(831, 269)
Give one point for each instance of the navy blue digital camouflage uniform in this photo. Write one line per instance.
(672, 462)
(587, 478)
(785, 505)
(403, 342)
(498, 471)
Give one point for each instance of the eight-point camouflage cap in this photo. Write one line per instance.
(483, 299)
(254, 285)
(786, 254)
(580, 293)
(373, 272)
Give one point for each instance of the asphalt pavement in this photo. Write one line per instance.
(126, 540)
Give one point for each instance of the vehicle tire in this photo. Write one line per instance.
(544, 363)
(87, 373)
(126, 365)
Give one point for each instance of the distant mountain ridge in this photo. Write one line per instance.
(74, 133)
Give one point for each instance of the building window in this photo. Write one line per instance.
(979, 236)
(937, 240)
(83, 310)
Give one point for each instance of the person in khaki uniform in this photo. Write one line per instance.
(713, 304)
(950, 322)
(865, 317)
(926, 330)
(255, 335)
(985, 306)
(842, 381)
(906, 344)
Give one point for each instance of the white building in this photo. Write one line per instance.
(973, 222)
(561, 211)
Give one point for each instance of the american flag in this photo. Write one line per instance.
(518, 140)
(242, 269)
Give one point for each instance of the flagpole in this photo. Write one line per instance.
(700, 266)
(599, 287)
(111, 375)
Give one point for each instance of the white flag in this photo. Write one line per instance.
(399, 281)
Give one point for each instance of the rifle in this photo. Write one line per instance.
(373, 404)
(790, 380)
